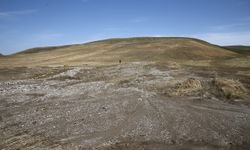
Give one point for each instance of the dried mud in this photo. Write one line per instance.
(126, 106)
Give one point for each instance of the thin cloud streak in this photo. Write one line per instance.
(248, 18)
(229, 26)
(47, 36)
(84, 1)
(4, 14)
(138, 20)
(230, 38)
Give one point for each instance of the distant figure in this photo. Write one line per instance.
(120, 61)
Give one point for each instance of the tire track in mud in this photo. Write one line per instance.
(213, 109)
(109, 134)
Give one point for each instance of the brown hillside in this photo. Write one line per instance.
(113, 50)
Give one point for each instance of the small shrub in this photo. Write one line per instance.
(188, 86)
(229, 88)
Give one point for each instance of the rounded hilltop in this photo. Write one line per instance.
(153, 49)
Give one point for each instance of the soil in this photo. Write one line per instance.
(123, 106)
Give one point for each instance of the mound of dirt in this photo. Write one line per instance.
(187, 87)
(229, 88)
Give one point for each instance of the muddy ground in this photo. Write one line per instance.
(125, 106)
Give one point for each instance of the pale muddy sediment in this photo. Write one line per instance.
(123, 106)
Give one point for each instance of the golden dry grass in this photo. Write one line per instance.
(113, 50)
(187, 87)
(230, 88)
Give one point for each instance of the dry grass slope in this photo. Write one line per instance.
(112, 50)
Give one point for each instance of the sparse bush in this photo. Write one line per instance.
(123, 82)
(188, 86)
(229, 88)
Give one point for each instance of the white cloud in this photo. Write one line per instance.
(5, 14)
(230, 38)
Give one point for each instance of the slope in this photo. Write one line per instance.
(239, 49)
(112, 50)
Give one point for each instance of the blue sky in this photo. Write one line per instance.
(32, 23)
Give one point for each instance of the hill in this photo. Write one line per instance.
(181, 93)
(239, 49)
(154, 49)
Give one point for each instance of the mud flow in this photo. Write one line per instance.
(123, 106)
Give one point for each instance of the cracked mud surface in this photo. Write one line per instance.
(124, 106)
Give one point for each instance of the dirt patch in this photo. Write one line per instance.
(163, 146)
